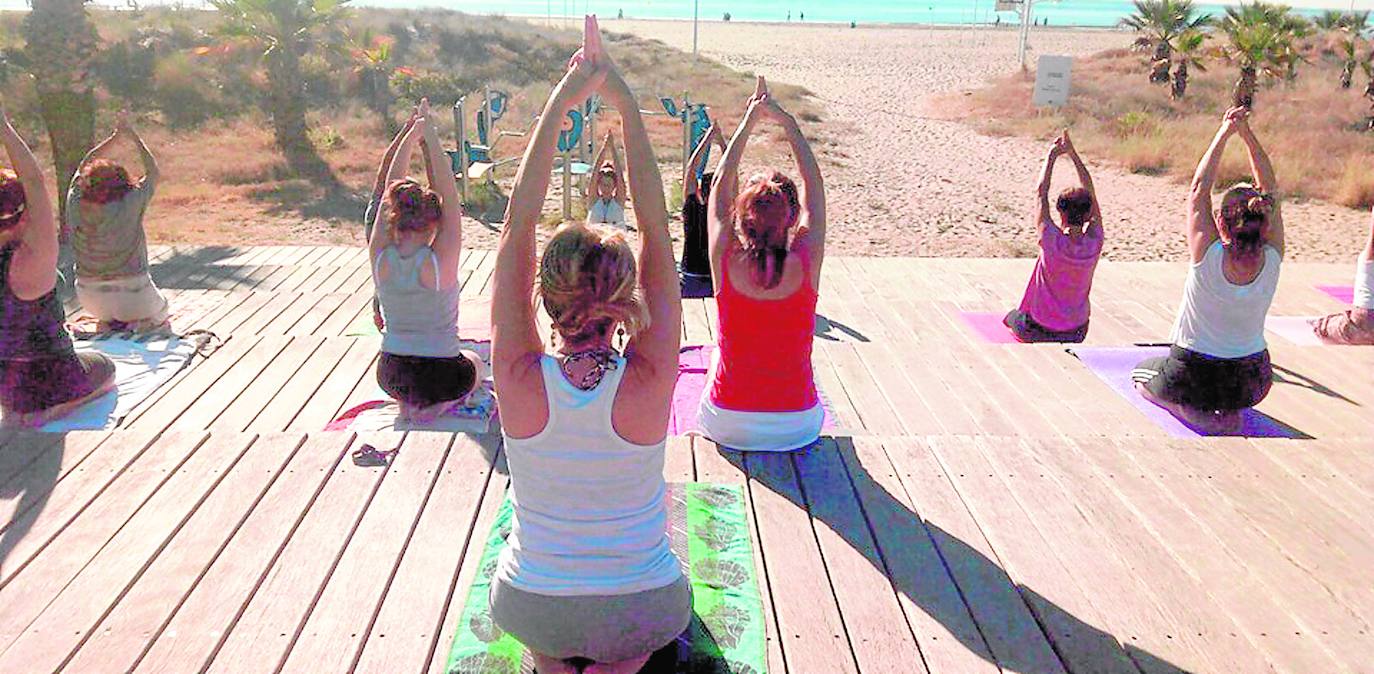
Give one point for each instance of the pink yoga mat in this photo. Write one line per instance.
(1296, 329)
(988, 326)
(692, 366)
(1343, 294)
(1113, 366)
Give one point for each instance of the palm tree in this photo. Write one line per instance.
(1163, 22)
(372, 56)
(1262, 40)
(60, 49)
(1352, 28)
(286, 30)
(1187, 54)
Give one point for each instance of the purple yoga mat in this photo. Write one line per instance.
(693, 362)
(1113, 365)
(1343, 294)
(1296, 329)
(989, 327)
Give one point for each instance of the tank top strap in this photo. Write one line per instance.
(573, 408)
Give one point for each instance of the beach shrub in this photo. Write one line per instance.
(182, 91)
(1135, 123)
(1356, 186)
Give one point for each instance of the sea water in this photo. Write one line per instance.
(1099, 13)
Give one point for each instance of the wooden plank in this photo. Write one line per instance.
(875, 414)
(1241, 568)
(1068, 617)
(334, 633)
(1011, 632)
(203, 411)
(46, 509)
(879, 635)
(935, 611)
(201, 506)
(716, 465)
(261, 636)
(1181, 592)
(354, 368)
(813, 632)
(677, 460)
(28, 591)
(492, 498)
(239, 413)
(338, 321)
(407, 631)
(297, 393)
(185, 641)
(19, 450)
(166, 404)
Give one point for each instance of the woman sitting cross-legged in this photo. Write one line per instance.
(42, 377)
(1219, 362)
(606, 198)
(415, 249)
(589, 573)
(1356, 324)
(105, 211)
(767, 243)
(1055, 306)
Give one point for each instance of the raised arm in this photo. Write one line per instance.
(448, 241)
(400, 162)
(1043, 216)
(1085, 179)
(591, 196)
(690, 186)
(150, 170)
(811, 187)
(618, 163)
(516, 344)
(34, 272)
(1202, 226)
(1263, 171)
(658, 343)
(720, 212)
(379, 185)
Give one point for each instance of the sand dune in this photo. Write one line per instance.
(905, 183)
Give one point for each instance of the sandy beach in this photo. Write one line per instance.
(901, 181)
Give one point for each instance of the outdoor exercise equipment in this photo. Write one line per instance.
(476, 161)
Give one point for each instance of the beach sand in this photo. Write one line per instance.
(901, 181)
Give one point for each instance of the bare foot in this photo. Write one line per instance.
(1207, 422)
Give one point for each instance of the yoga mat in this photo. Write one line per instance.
(1296, 329)
(474, 321)
(1343, 294)
(710, 535)
(381, 414)
(1113, 366)
(692, 366)
(988, 326)
(141, 366)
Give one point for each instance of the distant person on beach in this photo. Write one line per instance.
(374, 202)
(767, 244)
(1356, 324)
(1055, 306)
(1218, 364)
(42, 377)
(589, 573)
(606, 198)
(105, 209)
(415, 248)
(696, 187)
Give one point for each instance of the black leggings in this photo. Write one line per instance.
(1205, 382)
(420, 381)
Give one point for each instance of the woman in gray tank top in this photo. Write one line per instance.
(41, 375)
(415, 246)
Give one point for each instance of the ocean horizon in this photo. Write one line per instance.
(1078, 13)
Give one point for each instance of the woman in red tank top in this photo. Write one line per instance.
(766, 244)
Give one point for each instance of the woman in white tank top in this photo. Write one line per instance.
(589, 572)
(1218, 363)
(1354, 325)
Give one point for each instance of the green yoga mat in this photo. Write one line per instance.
(709, 532)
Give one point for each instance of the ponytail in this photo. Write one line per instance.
(766, 212)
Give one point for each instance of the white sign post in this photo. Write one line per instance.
(1052, 80)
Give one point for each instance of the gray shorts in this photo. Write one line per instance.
(601, 628)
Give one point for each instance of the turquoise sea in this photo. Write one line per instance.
(1061, 13)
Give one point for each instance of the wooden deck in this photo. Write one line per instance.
(982, 508)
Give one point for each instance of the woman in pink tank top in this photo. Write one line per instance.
(766, 246)
(1055, 307)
